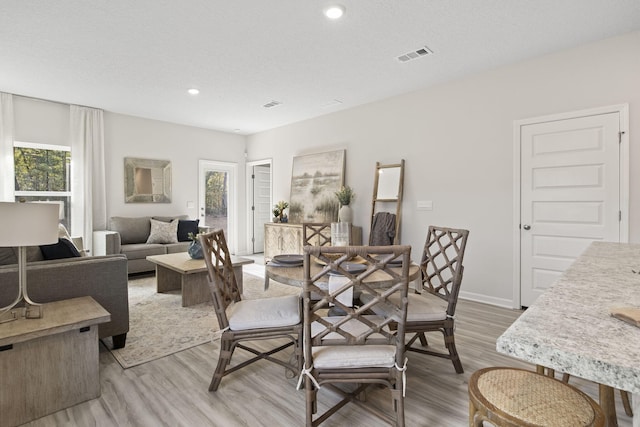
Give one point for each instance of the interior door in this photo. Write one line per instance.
(569, 194)
(261, 204)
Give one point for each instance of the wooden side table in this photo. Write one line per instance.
(51, 363)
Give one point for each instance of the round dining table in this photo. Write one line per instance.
(294, 275)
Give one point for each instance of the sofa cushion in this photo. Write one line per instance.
(33, 254)
(63, 249)
(163, 232)
(142, 250)
(185, 227)
(131, 230)
(174, 248)
(169, 218)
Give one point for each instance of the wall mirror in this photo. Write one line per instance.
(147, 180)
(386, 205)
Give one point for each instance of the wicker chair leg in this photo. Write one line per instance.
(226, 351)
(311, 399)
(626, 402)
(423, 339)
(450, 342)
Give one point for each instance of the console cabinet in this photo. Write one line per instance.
(284, 238)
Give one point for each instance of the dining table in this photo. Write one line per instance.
(293, 274)
(570, 327)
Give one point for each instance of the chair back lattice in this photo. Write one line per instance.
(222, 280)
(358, 326)
(441, 263)
(316, 233)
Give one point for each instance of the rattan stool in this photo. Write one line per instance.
(508, 397)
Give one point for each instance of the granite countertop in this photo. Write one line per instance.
(569, 327)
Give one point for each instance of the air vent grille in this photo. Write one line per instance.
(272, 104)
(418, 53)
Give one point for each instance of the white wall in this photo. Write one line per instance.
(127, 136)
(457, 140)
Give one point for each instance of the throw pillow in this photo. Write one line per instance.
(64, 234)
(185, 227)
(63, 249)
(163, 232)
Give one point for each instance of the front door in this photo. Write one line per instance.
(217, 198)
(570, 194)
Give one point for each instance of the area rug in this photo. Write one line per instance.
(160, 326)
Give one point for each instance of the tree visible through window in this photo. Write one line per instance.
(42, 173)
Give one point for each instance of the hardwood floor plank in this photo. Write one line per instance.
(172, 391)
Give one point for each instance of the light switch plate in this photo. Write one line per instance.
(425, 205)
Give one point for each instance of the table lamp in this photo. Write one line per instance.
(22, 225)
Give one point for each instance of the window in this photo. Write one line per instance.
(42, 173)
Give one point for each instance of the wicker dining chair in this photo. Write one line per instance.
(348, 353)
(316, 233)
(247, 320)
(434, 308)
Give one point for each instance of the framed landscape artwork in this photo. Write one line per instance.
(314, 180)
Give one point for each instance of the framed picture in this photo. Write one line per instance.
(147, 180)
(314, 180)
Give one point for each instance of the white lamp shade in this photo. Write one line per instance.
(28, 224)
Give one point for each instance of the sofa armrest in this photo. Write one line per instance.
(106, 242)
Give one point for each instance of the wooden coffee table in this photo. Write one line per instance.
(179, 272)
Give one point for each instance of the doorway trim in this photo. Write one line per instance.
(249, 193)
(623, 111)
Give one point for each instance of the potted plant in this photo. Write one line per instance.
(278, 211)
(345, 195)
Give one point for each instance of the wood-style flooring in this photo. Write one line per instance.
(172, 391)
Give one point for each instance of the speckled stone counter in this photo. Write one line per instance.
(569, 327)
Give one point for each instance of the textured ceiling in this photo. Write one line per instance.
(140, 57)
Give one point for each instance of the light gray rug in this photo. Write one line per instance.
(160, 326)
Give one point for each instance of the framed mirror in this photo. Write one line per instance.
(386, 206)
(147, 180)
(389, 182)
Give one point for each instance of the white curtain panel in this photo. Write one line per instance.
(89, 206)
(7, 183)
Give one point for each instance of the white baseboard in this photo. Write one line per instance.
(500, 302)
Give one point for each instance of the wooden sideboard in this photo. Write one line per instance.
(284, 238)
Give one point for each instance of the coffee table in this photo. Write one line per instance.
(179, 272)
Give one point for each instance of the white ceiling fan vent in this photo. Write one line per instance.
(418, 53)
(272, 104)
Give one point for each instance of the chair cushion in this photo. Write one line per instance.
(354, 356)
(265, 313)
(421, 308)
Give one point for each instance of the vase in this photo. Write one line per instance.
(195, 250)
(345, 214)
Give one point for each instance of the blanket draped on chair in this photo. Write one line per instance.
(383, 229)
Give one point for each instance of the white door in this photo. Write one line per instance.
(217, 198)
(570, 194)
(261, 209)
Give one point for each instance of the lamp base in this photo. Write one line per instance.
(29, 311)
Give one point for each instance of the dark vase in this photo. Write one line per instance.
(195, 250)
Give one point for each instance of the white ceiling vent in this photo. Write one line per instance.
(272, 104)
(418, 53)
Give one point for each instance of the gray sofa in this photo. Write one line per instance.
(104, 278)
(129, 236)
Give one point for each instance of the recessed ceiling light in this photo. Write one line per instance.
(193, 91)
(334, 12)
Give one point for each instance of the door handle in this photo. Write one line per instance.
(526, 227)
